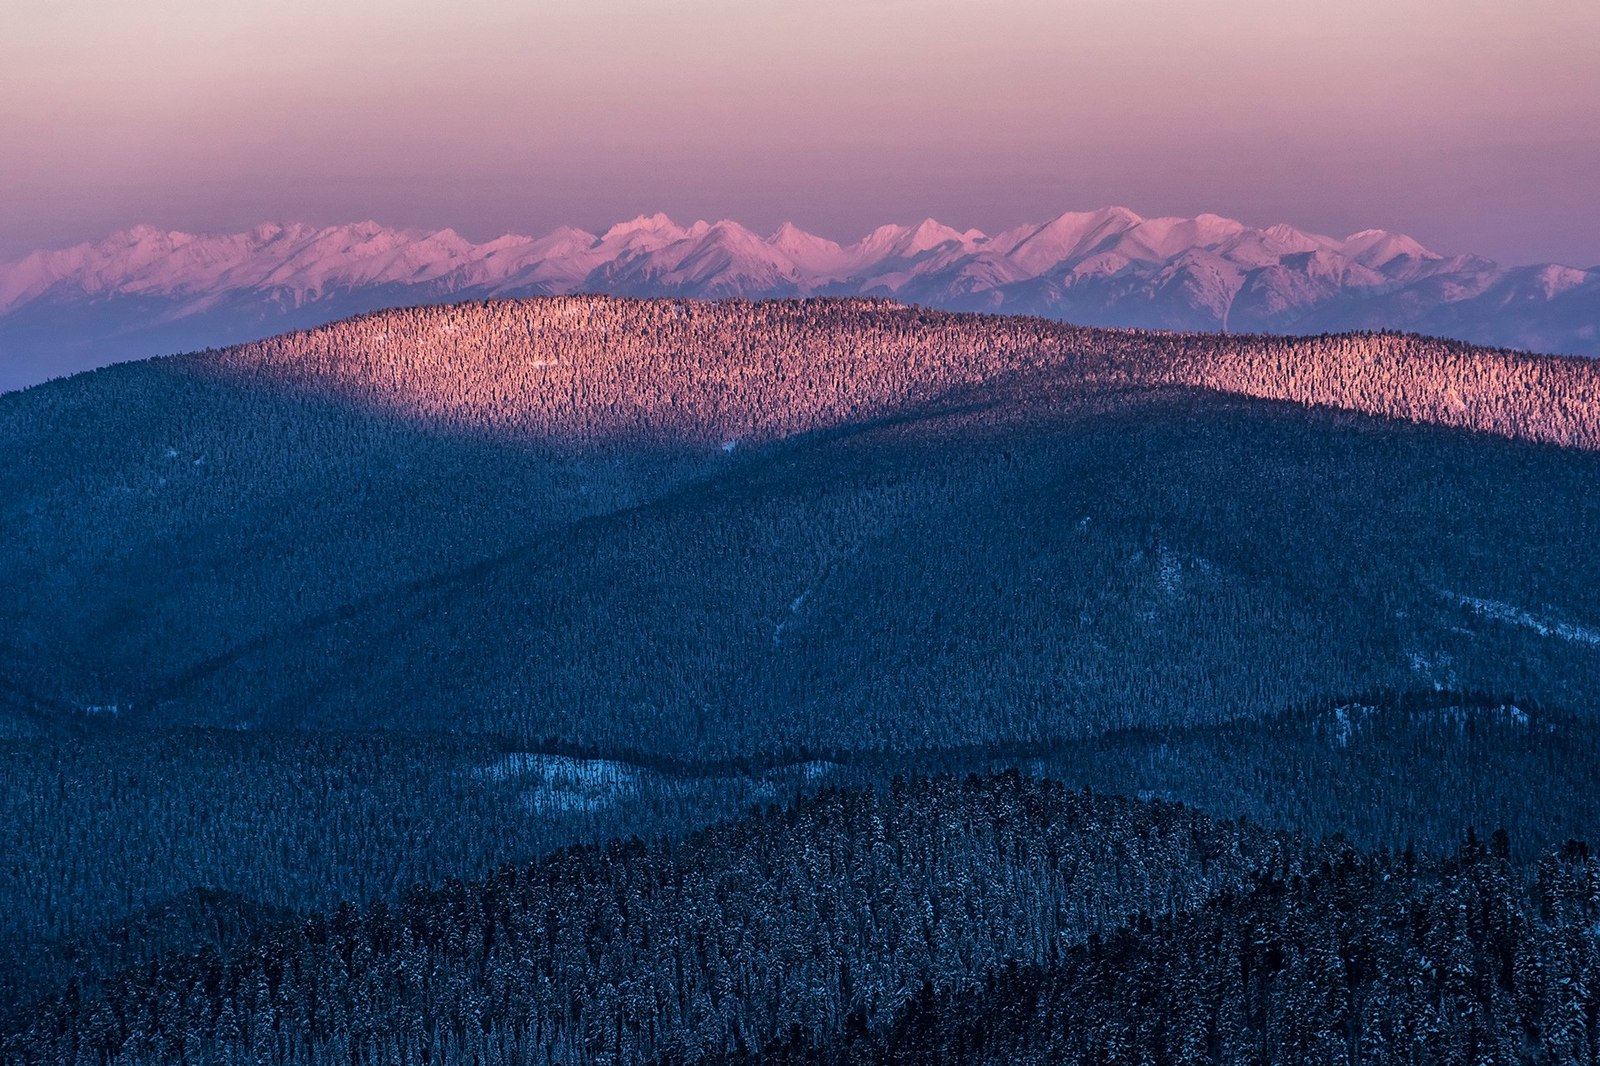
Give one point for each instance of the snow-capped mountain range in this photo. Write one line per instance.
(145, 291)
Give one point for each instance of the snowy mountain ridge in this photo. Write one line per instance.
(144, 291)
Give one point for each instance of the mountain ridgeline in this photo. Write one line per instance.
(331, 663)
(144, 291)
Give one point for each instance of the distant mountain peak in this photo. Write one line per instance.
(1376, 247)
(656, 223)
(789, 231)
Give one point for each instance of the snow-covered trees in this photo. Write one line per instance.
(589, 369)
(844, 904)
(939, 921)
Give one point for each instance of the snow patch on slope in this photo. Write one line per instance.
(565, 784)
(1514, 615)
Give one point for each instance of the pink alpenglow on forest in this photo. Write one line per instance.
(1470, 125)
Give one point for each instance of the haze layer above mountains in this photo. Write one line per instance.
(145, 292)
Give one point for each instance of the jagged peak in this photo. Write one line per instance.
(727, 228)
(365, 228)
(1116, 213)
(657, 223)
(1375, 246)
(262, 232)
(789, 232)
(908, 241)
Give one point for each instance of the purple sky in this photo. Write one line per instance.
(1473, 125)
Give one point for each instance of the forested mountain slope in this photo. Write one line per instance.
(988, 919)
(1371, 958)
(736, 529)
(109, 821)
(1380, 768)
(193, 920)
(595, 368)
(106, 821)
(839, 906)
(943, 583)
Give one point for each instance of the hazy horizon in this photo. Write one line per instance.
(493, 118)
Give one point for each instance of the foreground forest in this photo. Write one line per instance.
(991, 919)
(330, 665)
(1372, 958)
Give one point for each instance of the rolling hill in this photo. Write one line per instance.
(737, 529)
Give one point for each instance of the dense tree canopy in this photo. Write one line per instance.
(534, 681)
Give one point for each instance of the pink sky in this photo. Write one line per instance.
(1472, 124)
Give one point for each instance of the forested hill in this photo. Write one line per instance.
(598, 368)
(975, 920)
(1369, 958)
(792, 920)
(730, 530)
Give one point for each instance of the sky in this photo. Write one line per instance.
(1472, 125)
